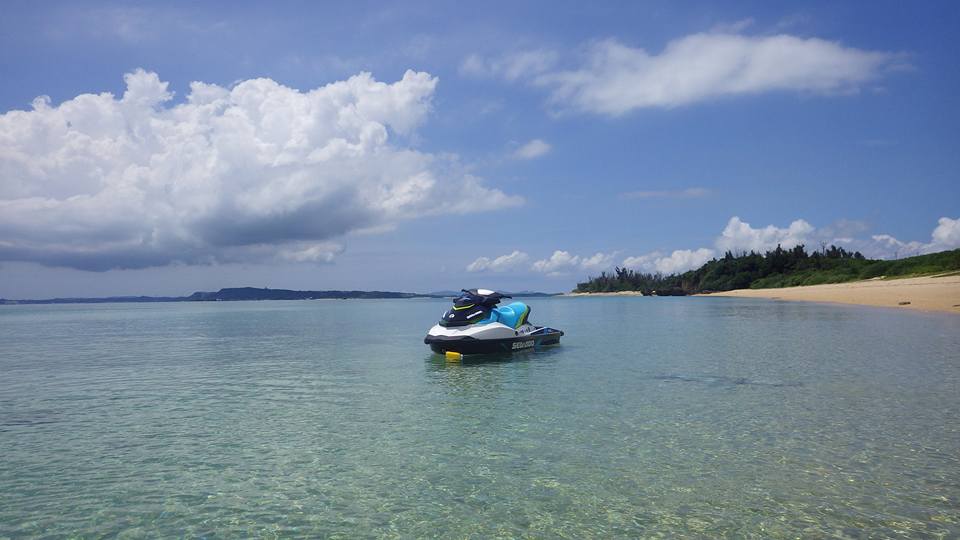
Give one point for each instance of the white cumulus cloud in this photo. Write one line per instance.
(256, 170)
(532, 150)
(945, 236)
(739, 236)
(598, 261)
(677, 262)
(884, 246)
(561, 262)
(617, 78)
(502, 263)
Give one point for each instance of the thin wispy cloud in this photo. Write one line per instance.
(617, 78)
(510, 67)
(533, 149)
(130, 24)
(614, 78)
(688, 193)
(735, 27)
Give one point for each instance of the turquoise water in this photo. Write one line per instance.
(655, 417)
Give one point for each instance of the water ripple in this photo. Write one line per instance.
(655, 418)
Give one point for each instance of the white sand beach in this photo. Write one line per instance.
(922, 293)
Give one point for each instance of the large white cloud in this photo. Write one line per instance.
(945, 236)
(257, 170)
(614, 78)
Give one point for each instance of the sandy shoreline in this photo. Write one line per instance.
(621, 293)
(941, 294)
(923, 293)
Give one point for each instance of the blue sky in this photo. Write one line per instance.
(426, 146)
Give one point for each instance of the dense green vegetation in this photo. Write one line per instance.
(775, 268)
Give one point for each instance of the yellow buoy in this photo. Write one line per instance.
(452, 356)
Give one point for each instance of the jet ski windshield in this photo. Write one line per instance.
(471, 306)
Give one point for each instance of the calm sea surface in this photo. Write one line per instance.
(655, 417)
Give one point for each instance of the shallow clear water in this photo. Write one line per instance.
(655, 417)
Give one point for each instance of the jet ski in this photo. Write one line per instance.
(476, 324)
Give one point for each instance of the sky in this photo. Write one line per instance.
(165, 148)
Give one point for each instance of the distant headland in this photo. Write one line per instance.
(253, 293)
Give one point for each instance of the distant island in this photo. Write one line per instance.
(253, 293)
(774, 269)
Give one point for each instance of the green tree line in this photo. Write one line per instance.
(775, 268)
